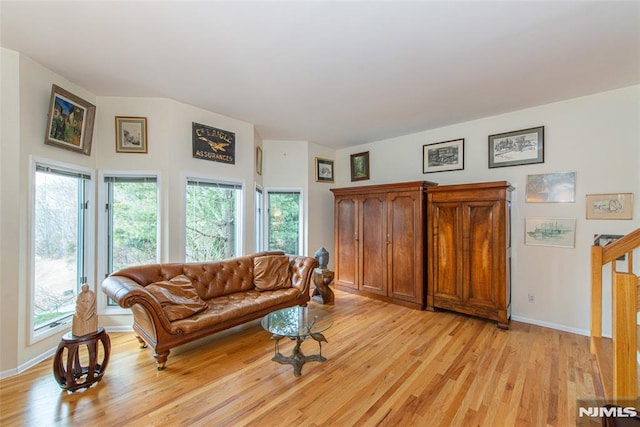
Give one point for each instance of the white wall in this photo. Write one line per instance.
(169, 125)
(23, 129)
(596, 136)
(26, 89)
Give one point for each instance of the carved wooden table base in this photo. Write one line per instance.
(70, 373)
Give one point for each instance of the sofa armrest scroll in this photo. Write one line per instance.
(301, 271)
(127, 293)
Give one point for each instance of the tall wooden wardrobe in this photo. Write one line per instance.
(379, 241)
(469, 244)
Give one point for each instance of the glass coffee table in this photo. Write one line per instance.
(298, 323)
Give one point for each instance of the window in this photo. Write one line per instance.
(213, 218)
(284, 221)
(131, 210)
(61, 243)
(259, 220)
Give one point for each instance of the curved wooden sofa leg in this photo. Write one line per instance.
(161, 360)
(141, 341)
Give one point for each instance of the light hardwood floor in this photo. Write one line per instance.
(387, 365)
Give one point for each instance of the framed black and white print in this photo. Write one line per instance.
(520, 147)
(324, 170)
(443, 156)
(131, 134)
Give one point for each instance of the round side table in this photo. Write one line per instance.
(70, 372)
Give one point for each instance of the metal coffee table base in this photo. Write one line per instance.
(297, 358)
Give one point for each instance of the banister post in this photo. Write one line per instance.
(596, 294)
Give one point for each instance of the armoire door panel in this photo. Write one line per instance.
(403, 231)
(447, 251)
(373, 249)
(345, 235)
(480, 268)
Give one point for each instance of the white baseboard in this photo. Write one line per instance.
(28, 364)
(51, 352)
(551, 325)
(118, 329)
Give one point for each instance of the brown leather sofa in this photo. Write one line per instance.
(176, 303)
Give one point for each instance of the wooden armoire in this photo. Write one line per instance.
(380, 240)
(469, 245)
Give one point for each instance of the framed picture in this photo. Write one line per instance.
(520, 147)
(259, 160)
(604, 239)
(610, 206)
(559, 187)
(70, 121)
(546, 231)
(360, 166)
(131, 134)
(324, 170)
(443, 156)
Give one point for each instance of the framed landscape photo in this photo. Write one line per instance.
(70, 121)
(360, 166)
(520, 147)
(548, 231)
(559, 187)
(324, 170)
(610, 206)
(131, 134)
(443, 156)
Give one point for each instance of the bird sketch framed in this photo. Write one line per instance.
(213, 144)
(324, 170)
(610, 206)
(443, 156)
(70, 121)
(131, 134)
(520, 147)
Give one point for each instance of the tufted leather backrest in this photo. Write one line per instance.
(216, 278)
(213, 279)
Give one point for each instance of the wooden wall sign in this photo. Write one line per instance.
(213, 144)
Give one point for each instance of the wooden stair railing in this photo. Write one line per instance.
(616, 357)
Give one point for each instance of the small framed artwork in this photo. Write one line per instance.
(610, 206)
(360, 166)
(70, 121)
(443, 156)
(520, 147)
(131, 134)
(259, 160)
(604, 239)
(559, 187)
(548, 231)
(324, 170)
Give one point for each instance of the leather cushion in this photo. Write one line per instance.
(178, 298)
(271, 272)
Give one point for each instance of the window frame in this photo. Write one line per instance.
(103, 228)
(259, 218)
(239, 242)
(88, 233)
(301, 236)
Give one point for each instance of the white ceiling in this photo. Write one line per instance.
(334, 72)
